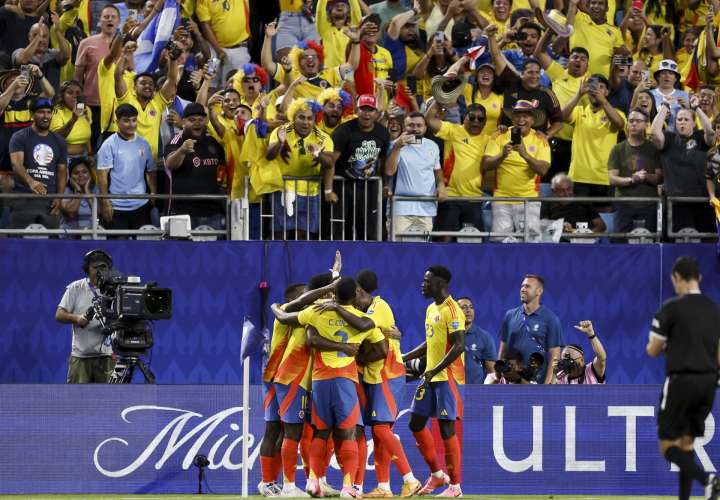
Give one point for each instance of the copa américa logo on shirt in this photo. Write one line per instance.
(43, 154)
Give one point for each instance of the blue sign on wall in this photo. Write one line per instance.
(215, 285)
(517, 440)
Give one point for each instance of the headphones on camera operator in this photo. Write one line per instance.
(95, 255)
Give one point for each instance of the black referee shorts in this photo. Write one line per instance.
(685, 402)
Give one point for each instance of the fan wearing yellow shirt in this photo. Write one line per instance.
(593, 32)
(596, 127)
(249, 81)
(301, 150)
(464, 147)
(439, 394)
(565, 85)
(332, 17)
(333, 101)
(71, 120)
(226, 27)
(521, 156)
(146, 98)
(307, 60)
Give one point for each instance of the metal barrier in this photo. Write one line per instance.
(357, 215)
(681, 233)
(95, 230)
(525, 233)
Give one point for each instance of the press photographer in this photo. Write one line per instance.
(512, 369)
(571, 367)
(90, 357)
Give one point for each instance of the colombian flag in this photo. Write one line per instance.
(690, 74)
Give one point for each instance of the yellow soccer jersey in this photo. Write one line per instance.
(300, 162)
(593, 139)
(229, 19)
(441, 321)
(149, 118)
(296, 363)
(392, 366)
(565, 87)
(467, 152)
(493, 105)
(329, 324)
(311, 88)
(278, 343)
(599, 39)
(514, 176)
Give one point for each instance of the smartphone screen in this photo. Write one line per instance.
(515, 136)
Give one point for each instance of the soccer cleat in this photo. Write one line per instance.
(379, 493)
(327, 489)
(434, 483)
(410, 488)
(712, 488)
(452, 491)
(349, 492)
(313, 488)
(269, 490)
(293, 492)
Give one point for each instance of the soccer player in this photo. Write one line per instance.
(335, 407)
(686, 330)
(269, 449)
(383, 383)
(439, 392)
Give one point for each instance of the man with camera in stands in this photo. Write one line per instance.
(90, 358)
(571, 367)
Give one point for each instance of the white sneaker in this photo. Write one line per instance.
(328, 490)
(269, 490)
(293, 492)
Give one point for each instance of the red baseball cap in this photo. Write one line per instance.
(367, 100)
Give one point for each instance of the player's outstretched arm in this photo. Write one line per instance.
(419, 352)
(359, 323)
(284, 317)
(308, 298)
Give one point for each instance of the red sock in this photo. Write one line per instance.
(305, 441)
(426, 446)
(452, 459)
(266, 469)
(393, 449)
(382, 457)
(348, 455)
(289, 459)
(362, 458)
(277, 464)
(317, 457)
(332, 446)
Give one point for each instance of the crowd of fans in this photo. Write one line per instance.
(452, 99)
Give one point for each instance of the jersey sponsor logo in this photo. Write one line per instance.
(444, 413)
(196, 161)
(43, 154)
(691, 144)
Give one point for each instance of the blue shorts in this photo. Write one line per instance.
(363, 399)
(292, 402)
(270, 403)
(335, 404)
(442, 400)
(383, 399)
(305, 217)
(294, 28)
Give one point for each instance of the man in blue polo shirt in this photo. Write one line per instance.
(532, 328)
(479, 346)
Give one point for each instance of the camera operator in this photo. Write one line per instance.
(512, 369)
(571, 367)
(90, 359)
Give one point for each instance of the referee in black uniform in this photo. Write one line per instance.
(687, 328)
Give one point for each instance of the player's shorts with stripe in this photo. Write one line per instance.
(442, 400)
(335, 403)
(292, 402)
(383, 399)
(363, 398)
(685, 402)
(270, 403)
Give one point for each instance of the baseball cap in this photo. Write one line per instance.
(41, 103)
(194, 109)
(367, 100)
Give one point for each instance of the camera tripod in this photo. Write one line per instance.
(125, 368)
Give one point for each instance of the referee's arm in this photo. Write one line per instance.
(656, 339)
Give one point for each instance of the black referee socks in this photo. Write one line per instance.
(685, 460)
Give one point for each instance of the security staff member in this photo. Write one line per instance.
(90, 359)
(686, 328)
